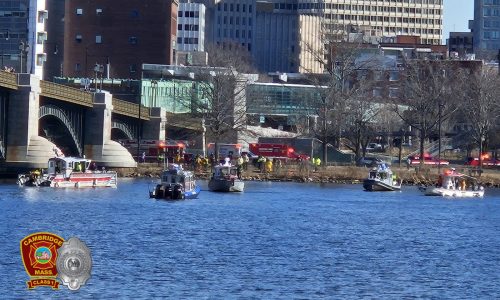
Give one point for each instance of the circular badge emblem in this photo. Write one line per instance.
(43, 255)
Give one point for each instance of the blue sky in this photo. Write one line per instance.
(457, 14)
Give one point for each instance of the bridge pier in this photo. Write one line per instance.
(98, 144)
(154, 129)
(24, 148)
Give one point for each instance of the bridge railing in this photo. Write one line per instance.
(8, 80)
(130, 109)
(66, 93)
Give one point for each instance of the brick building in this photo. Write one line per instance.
(119, 35)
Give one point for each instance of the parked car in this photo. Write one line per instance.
(374, 147)
(428, 160)
(369, 162)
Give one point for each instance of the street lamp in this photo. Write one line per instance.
(23, 48)
(154, 93)
(98, 69)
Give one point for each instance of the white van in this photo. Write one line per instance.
(225, 150)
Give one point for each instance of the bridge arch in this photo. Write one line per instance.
(71, 123)
(124, 128)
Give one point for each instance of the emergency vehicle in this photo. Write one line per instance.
(225, 150)
(275, 151)
(428, 160)
(153, 149)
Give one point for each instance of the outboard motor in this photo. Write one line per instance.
(168, 192)
(159, 192)
(178, 194)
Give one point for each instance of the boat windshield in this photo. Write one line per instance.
(177, 179)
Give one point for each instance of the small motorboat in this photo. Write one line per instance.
(454, 184)
(225, 179)
(69, 172)
(176, 184)
(381, 178)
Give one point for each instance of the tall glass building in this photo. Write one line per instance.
(486, 25)
(22, 35)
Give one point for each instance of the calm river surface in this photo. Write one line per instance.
(274, 241)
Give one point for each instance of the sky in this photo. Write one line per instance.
(457, 14)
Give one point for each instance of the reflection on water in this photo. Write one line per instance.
(274, 241)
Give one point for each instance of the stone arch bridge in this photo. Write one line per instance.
(37, 117)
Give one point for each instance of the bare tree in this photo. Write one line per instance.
(425, 97)
(222, 106)
(346, 94)
(481, 109)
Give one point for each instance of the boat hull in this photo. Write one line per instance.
(221, 185)
(168, 192)
(439, 191)
(76, 180)
(379, 186)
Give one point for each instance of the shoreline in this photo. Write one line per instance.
(330, 174)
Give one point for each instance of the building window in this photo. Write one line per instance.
(179, 40)
(40, 59)
(180, 13)
(132, 40)
(132, 68)
(98, 11)
(179, 26)
(78, 38)
(78, 67)
(79, 11)
(98, 39)
(393, 92)
(42, 16)
(394, 76)
(41, 37)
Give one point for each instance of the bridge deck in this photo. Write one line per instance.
(130, 109)
(76, 96)
(66, 93)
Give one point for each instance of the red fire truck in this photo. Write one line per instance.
(152, 149)
(275, 151)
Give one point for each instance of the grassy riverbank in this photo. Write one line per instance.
(334, 174)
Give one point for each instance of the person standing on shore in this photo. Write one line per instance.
(246, 160)
(317, 164)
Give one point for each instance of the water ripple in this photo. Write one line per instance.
(275, 241)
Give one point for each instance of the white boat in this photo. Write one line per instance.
(176, 184)
(225, 179)
(453, 184)
(69, 172)
(381, 178)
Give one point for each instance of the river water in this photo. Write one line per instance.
(274, 241)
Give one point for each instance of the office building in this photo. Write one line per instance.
(191, 27)
(22, 35)
(118, 36)
(486, 26)
(379, 18)
(280, 33)
(54, 45)
(460, 44)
